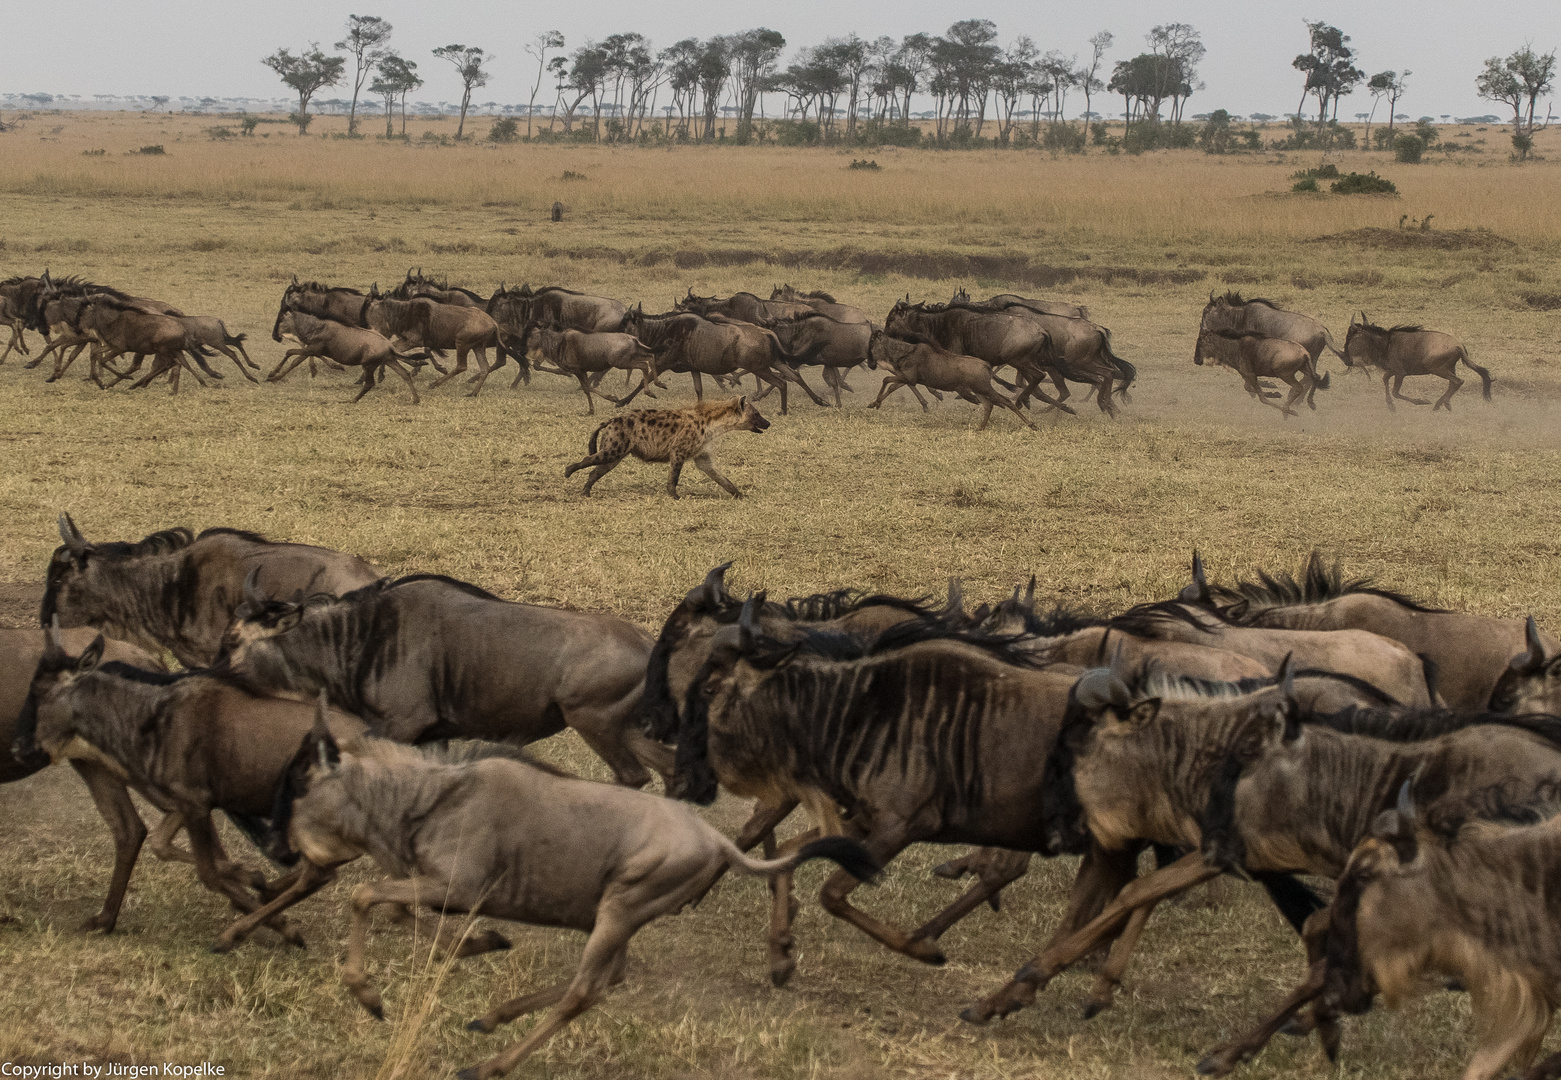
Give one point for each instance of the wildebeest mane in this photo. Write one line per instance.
(1417, 724)
(1060, 621)
(1317, 583)
(315, 286)
(1149, 680)
(464, 586)
(1234, 299)
(1148, 620)
(241, 534)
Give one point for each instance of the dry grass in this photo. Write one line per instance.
(1461, 510)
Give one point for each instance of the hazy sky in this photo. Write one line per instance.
(211, 48)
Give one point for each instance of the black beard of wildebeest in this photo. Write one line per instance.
(1260, 783)
(177, 591)
(426, 657)
(1470, 653)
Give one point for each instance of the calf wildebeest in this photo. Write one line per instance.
(915, 360)
(1402, 351)
(1417, 906)
(1259, 316)
(1532, 681)
(820, 301)
(1080, 350)
(350, 346)
(52, 304)
(1257, 781)
(1005, 301)
(177, 591)
(210, 331)
(514, 308)
(436, 326)
(1470, 653)
(1257, 357)
(574, 352)
(427, 657)
(834, 345)
(676, 436)
(684, 341)
(998, 339)
(20, 651)
(514, 840)
(116, 327)
(195, 741)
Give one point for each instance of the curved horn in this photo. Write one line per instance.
(1534, 658)
(1029, 595)
(51, 640)
(1406, 804)
(747, 632)
(1121, 697)
(1198, 591)
(252, 593)
(712, 591)
(1286, 678)
(72, 536)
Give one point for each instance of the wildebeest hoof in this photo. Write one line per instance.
(376, 1010)
(780, 974)
(222, 948)
(1093, 1009)
(466, 1074)
(974, 1014)
(1211, 1066)
(479, 1025)
(97, 923)
(927, 952)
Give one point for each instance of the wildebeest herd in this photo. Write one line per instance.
(956, 347)
(1291, 729)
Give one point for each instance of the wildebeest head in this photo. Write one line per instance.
(1393, 849)
(1365, 343)
(80, 573)
(311, 800)
(1532, 681)
(43, 727)
(258, 617)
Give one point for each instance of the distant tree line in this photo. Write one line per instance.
(850, 90)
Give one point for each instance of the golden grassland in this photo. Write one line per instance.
(1459, 509)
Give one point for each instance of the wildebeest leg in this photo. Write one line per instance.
(452, 939)
(539, 999)
(1454, 384)
(310, 881)
(706, 466)
(644, 385)
(1058, 955)
(999, 399)
(207, 850)
(113, 802)
(986, 414)
(412, 892)
(484, 370)
(791, 374)
(891, 383)
(585, 388)
(1386, 378)
(296, 356)
(1102, 995)
(406, 377)
(699, 387)
(601, 965)
(884, 844)
(604, 728)
(833, 380)
(650, 753)
(995, 869)
(760, 825)
(1034, 390)
(460, 366)
(1398, 385)
(783, 909)
(231, 355)
(1549, 1069)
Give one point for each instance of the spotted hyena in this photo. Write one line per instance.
(672, 435)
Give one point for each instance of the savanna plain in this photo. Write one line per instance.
(1462, 510)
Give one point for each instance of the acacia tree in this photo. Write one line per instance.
(911, 63)
(1390, 85)
(1519, 81)
(1182, 46)
(1089, 77)
(468, 61)
(365, 43)
(539, 47)
(1330, 69)
(711, 73)
(396, 77)
(311, 70)
(751, 56)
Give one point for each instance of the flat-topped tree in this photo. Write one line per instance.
(468, 61)
(306, 73)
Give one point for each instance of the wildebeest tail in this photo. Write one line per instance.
(233, 339)
(844, 852)
(1128, 372)
(1483, 373)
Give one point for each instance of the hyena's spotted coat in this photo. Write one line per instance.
(672, 435)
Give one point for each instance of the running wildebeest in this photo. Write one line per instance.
(177, 591)
(1256, 357)
(998, 339)
(1258, 782)
(195, 742)
(1532, 681)
(20, 652)
(574, 352)
(514, 840)
(349, 346)
(834, 345)
(1259, 316)
(439, 291)
(1470, 653)
(1420, 905)
(914, 360)
(16, 295)
(676, 436)
(684, 341)
(743, 307)
(1080, 352)
(822, 302)
(439, 327)
(118, 327)
(426, 657)
(1402, 351)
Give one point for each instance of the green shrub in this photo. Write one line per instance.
(158, 149)
(248, 124)
(877, 133)
(1408, 149)
(1063, 137)
(219, 132)
(504, 130)
(1328, 171)
(1307, 184)
(1363, 184)
(796, 132)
